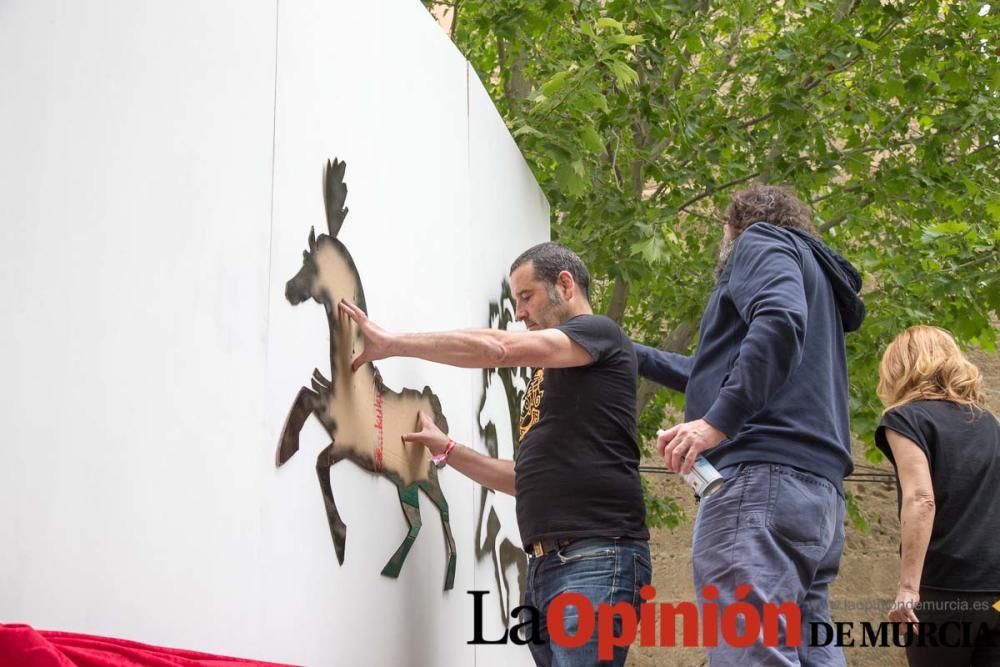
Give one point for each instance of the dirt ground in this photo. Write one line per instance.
(869, 568)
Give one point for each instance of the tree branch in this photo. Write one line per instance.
(810, 82)
(719, 188)
(454, 19)
(973, 262)
(619, 299)
(659, 190)
(833, 222)
(852, 188)
(613, 154)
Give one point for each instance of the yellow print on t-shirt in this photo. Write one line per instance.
(532, 401)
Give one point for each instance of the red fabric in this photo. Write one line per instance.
(23, 646)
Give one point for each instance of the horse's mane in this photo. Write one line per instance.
(334, 195)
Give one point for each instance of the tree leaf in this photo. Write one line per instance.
(628, 40)
(607, 22)
(591, 139)
(624, 75)
(555, 82)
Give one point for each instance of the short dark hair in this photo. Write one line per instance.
(549, 259)
(772, 204)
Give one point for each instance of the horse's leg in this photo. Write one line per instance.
(301, 409)
(338, 530)
(493, 532)
(499, 571)
(510, 554)
(409, 500)
(432, 488)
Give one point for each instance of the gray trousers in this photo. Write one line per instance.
(780, 531)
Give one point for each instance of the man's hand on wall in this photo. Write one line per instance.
(377, 340)
(682, 444)
(429, 435)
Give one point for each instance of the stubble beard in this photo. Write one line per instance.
(557, 310)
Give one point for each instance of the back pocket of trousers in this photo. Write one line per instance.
(801, 510)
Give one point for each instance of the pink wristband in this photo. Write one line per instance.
(441, 459)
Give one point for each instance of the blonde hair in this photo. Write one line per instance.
(924, 363)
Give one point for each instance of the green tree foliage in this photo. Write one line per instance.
(640, 118)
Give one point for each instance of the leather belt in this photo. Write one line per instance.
(542, 547)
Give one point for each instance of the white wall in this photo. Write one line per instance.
(161, 167)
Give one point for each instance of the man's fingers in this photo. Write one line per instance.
(677, 450)
(669, 434)
(663, 438)
(426, 422)
(689, 458)
(422, 421)
(358, 362)
(350, 309)
(660, 444)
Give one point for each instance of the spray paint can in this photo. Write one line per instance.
(703, 478)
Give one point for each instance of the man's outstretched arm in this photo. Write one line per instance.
(468, 348)
(670, 369)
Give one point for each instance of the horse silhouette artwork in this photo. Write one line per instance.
(364, 418)
(499, 419)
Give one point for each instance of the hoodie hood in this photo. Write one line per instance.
(844, 278)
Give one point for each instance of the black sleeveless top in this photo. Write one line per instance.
(962, 445)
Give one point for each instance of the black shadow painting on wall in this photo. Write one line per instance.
(499, 417)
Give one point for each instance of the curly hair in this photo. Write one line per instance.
(924, 363)
(768, 203)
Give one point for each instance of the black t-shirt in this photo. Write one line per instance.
(962, 445)
(577, 467)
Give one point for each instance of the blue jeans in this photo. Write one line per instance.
(780, 530)
(605, 571)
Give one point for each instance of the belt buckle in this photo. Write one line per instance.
(537, 549)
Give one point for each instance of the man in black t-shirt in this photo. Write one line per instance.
(576, 479)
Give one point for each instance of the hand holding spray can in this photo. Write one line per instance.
(703, 478)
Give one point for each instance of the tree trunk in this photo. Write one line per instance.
(619, 299)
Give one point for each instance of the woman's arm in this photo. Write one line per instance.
(916, 520)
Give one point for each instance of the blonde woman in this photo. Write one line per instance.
(945, 446)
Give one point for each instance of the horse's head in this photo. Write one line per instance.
(328, 273)
(304, 284)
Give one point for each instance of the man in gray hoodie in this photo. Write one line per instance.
(767, 403)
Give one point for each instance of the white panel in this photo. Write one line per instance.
(149, 353)
(135, 180)
(509, 225)
(376, 84)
